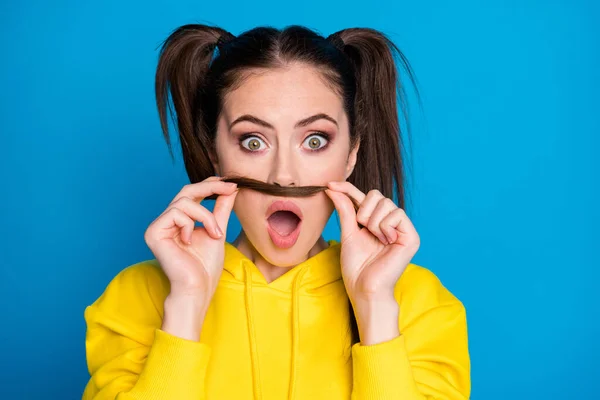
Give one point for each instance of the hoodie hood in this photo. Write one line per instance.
(321, 269)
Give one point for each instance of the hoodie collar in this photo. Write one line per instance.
(319, 270)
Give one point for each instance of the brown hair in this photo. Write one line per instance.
(198, 64)
(277, 190)
(274, 190)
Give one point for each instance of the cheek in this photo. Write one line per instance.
(332, 167)
(319, 170)
(323, 177)
(317, 210)
(325, 208)
(241, 166)
(248, 207)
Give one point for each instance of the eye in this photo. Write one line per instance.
(317, 141)
(251, 143)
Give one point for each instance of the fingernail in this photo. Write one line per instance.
(219, 232)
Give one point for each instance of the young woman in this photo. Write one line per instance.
(283, 127)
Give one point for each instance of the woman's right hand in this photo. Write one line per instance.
(192, 257)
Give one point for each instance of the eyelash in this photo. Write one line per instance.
(324, 135)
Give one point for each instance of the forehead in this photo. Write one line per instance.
(294, 91)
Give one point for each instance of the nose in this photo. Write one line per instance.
(279, 184)
(284, 170)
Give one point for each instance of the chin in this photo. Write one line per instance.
(288, 257)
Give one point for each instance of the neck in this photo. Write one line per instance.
(270, 271)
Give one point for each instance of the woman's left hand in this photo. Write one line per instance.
(374, 257)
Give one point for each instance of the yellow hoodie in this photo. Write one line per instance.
(288, 339)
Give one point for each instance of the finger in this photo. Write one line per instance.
(346, 187)
(345, 209)
(384, 207)
(198, 191)
(368, 205)
(397, 223)
(222, 209)
(198, 213)
(177, 218)
(213, 178)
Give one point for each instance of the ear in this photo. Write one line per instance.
(352, 159)
(215, 162)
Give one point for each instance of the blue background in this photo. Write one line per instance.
(504, 195)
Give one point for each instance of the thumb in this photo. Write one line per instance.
(345, 209)
(222, 210)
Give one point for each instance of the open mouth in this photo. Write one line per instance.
(284, 219)
(284, 222)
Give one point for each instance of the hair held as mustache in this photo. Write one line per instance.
(273, 189)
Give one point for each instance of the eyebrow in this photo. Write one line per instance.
(299, 124)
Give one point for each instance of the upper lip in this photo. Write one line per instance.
(284, 205)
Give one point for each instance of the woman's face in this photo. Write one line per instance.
(260, 135)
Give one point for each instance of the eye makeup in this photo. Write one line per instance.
(323, 135)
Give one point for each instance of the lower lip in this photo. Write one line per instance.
(284, 242)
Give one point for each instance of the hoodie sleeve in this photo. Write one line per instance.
(430, 359)
(128, 355)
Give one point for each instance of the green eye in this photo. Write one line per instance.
(316, 142)
(251, 143)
